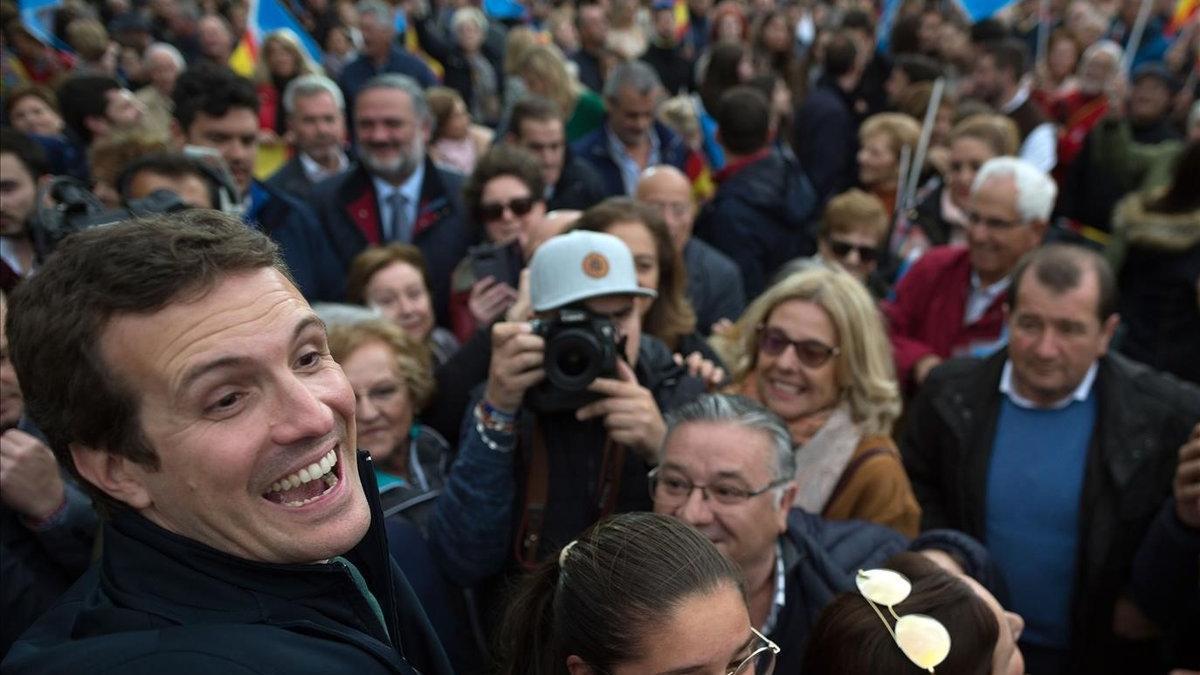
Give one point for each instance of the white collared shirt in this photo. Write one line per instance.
(1080, 394)
(410, 188)
(981, 297)
(316, 173)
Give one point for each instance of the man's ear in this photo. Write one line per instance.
(576, 666)
(1107, 330)
(785, 505)
(118, 477)
(1039, 228)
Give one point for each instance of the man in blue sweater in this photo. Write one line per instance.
(1058, 455)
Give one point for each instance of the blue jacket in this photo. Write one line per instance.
(478, 514)
(158, 603)
(349, 212)
(593, 149)
(302, 242)
(762, 216)
(821, 556)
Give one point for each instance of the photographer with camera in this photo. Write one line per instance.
(570, 419)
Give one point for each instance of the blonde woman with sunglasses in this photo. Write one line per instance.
(813, 350)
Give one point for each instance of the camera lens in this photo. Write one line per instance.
(574, 359)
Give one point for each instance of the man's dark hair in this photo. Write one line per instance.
(1010, 54)
(988, 30)
(918, 67)
(743, 120)
(83, 96)
(59, 315)
(501, 160)
(535, 108)
(27, 151)
(857, 19)
(174, 165)
(213, 90)
(840, 54)
(1060, 267)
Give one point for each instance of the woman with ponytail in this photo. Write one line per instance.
(637, 593)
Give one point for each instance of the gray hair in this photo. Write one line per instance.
(405, 84)
(311, 85)
(1106, 47)
(1036, 190)
(169, 50)
(745, 413)
(634, 75)
(465, 14)
(377, 10)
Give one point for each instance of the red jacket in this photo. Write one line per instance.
(926, 316)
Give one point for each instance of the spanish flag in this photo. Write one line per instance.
(1184, 10)
(262, 17)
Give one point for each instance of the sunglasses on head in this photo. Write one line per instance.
(812, 353)
(495, 210)
(923, 639)
(841, 249)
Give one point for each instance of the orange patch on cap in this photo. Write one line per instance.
(595, 265)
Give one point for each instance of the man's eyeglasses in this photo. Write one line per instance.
(762, 658)
(812, 353)
(974, 218)
(671, 488)
(923, 639)
(842, 249)
(495, 210)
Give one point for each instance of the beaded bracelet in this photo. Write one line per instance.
(484, 435)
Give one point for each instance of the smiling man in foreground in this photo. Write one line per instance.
(178, 372)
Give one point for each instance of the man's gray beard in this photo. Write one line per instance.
(400, 169)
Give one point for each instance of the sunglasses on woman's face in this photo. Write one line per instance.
(812, 353)
(842, 249)
(520, 206)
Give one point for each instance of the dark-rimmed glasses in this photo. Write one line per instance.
(812, 353)
(495, 210)
(671, 487)
(842, 249)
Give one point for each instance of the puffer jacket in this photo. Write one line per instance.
(762, 216)
(1157, 259)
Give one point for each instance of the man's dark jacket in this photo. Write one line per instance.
(714, 285)
(761, 217)
(291, 179)
(1143, 417)
(825, 139)
(302, 241)
(593, 149)
(160, 603)
(579, 186)
(349, 211)
(820, 558)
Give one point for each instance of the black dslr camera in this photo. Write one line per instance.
(580, 346)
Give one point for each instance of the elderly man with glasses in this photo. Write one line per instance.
(951, 302)
(727, 468)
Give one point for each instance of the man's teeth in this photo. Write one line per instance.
(309, 473)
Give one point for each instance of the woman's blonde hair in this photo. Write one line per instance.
(865, 372)
(546, 63)
(285, 38)
(412, 360)
(997, 131)
(900, 130)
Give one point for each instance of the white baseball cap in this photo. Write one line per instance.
(580, 265)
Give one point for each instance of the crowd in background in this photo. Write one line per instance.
(911, 286)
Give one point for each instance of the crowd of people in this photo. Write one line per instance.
(600, 337)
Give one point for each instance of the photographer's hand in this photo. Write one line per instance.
(712, 375)
(489, 299)
(630, 413)
(516, 365)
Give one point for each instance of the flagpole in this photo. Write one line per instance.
(914, 175)
(1135, 36)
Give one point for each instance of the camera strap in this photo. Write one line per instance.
(537, 487)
